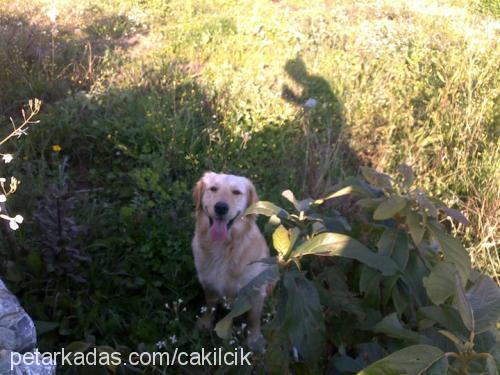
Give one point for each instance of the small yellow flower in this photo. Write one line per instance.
(56, 148)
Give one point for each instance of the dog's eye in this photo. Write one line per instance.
(214, 188)
(236, 192)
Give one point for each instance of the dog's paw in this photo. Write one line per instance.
(205, 323)
(256, 342)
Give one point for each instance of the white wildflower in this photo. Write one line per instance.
(203, 309)
(52, 14)
(310, 103)
(161, 344)
(173, 339)
(13, 221)
(226, 303)
(7, 158)
(3, 198)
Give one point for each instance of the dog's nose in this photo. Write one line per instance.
(221, 208)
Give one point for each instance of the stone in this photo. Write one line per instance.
(13, 363)
(18, 339)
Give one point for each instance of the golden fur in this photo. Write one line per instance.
(226, 250)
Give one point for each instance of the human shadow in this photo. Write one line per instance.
(328, 156)
(133, 155)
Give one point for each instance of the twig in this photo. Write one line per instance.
(21, 129)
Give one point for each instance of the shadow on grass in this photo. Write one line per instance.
(128, 160)
(328, 156)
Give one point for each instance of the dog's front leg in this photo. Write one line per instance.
(206, 321)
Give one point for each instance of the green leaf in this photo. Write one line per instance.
(417, 231)
(336, 244)
(446, 316)
(300, 308)
(439, 367)
(387, 242)
(267, 209)
(340, 299)
(440, 284)
(369, 284)
(455, 214)
(389, 284)
(413, 360)
(77, 346)
(415, 271)
(281, 240)
(463, 305)
(288, 194)
(302, 205)
(277, 351)
(484, 298)
(389, 208)
(375, 178)
(452, 337)
(346, 364)
(407, 174)
(344, 191)
(391, 326)
(491, 366)
(400, 300)
(452, 249)
(370, 202)
(425, 203)
(246, 298)
(394, 243)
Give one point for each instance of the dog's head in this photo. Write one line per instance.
(223, 199)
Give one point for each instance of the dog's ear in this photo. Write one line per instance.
(252, 194)
(197, 193)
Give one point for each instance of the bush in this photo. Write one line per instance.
(413, 305)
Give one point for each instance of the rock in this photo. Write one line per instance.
(18, 339)
(17, 331)
(13, 363)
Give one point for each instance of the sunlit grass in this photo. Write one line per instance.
(418, 81)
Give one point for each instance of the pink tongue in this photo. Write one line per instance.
(218, 230)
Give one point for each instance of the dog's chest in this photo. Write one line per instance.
(221, 270)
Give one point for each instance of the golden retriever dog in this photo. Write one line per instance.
(227, 246)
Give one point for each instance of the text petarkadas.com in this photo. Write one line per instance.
(93, 357)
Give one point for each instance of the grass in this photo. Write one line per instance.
(142, 97)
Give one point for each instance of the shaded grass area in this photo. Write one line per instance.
(143, 98)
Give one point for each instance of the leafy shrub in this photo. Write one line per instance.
(413, 305)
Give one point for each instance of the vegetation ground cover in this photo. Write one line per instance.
(141, 97)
